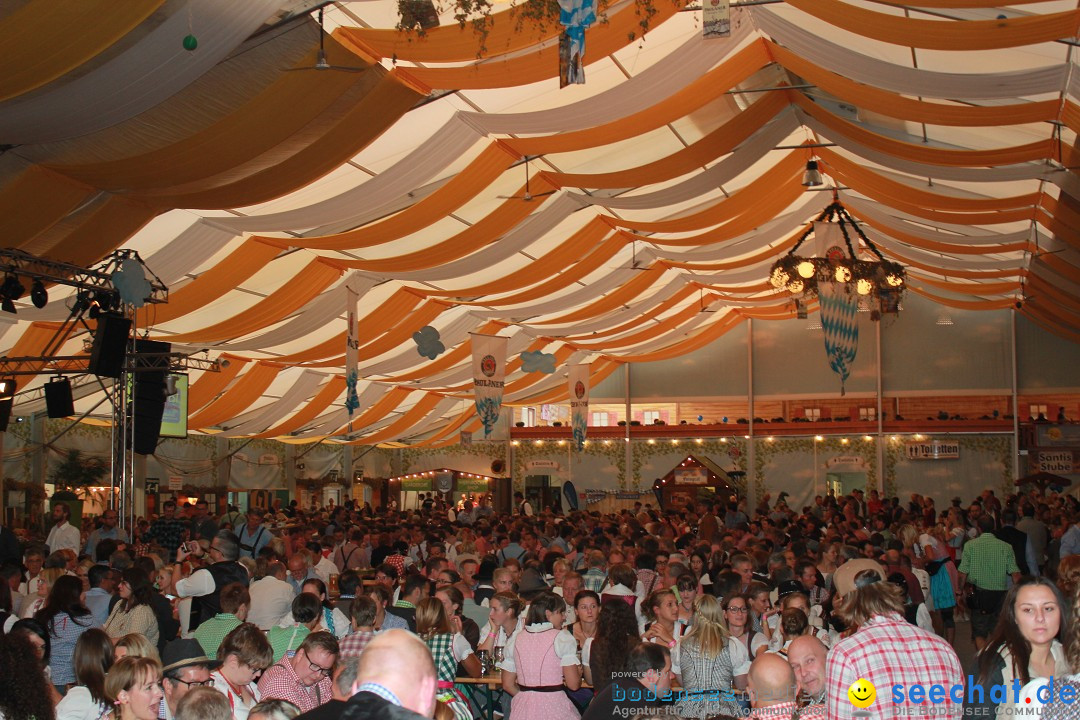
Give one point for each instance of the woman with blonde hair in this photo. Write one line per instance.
(442, 634)
(136, 645)
(46, 579)
(705, 665)
(133, 686)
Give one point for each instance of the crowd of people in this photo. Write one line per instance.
(710, 611)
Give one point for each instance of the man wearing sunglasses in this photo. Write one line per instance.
(303, 679)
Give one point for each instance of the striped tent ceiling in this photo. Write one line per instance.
(452, 183)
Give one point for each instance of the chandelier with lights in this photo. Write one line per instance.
(878, 280)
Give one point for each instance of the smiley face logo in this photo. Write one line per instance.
(862, 693)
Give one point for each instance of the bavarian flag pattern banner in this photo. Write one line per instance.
(489, 375)
(839, 306)
(578, 381)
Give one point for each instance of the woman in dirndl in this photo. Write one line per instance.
(448, 648)
(541, 664)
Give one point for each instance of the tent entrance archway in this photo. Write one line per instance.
(544, 492)
(842, 483)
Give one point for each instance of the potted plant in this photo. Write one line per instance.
(73, 479)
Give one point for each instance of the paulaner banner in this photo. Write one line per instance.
(489, 375)
(579, 402)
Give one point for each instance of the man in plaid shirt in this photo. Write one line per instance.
(304, 678)
(885, 649)
(595, 576)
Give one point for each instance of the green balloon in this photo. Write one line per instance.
(190, 42)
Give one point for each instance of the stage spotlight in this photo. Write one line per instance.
(12, 288)
(38, 294)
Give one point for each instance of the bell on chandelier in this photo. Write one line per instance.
(812, 176)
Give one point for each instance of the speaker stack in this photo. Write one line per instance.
(110, 345)
(151, 363)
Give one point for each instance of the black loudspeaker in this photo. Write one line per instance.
(59, 402)
(110, 345)
(151, 365)
(7, 399)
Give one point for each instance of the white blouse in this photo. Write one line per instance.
(565, 647)
(236, 702)
(78, 704)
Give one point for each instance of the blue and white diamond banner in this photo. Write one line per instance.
(839, 306)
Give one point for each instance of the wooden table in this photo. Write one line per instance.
(488, 687)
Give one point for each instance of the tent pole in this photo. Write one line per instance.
(1015, 400)
(751, 475)
(629, 457)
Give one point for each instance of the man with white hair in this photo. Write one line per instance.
(396, 680)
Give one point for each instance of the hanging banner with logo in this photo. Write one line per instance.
(352, 350)
(715, 19)
(579, 402)
(839, 307)
(489, 373)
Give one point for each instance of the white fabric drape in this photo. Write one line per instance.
(266, 417)
(909, 81)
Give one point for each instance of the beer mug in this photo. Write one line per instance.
(333, 590)
(485, 661)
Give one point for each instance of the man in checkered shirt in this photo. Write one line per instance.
(885, 650)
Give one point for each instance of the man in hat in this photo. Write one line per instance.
(884, 650)
(184, 666)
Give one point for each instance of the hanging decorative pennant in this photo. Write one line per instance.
(579, 402)
(575, 15)
(715, 19)
(537, 361)
(352, 350)
(428, 342)
(489, 373)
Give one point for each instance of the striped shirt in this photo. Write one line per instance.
(988, 562)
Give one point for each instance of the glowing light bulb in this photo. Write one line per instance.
(894, 280)
(796, 286)
(843, 274)
(806, 269)
(864, 287)
(779, 278)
